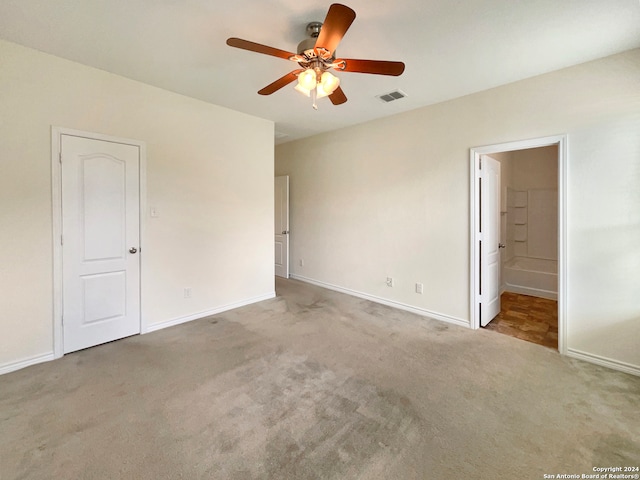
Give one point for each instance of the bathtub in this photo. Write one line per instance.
(532, 276)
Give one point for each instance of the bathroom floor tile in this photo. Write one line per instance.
(533, 326)
(528, 318)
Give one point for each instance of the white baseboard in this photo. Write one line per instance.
(532, 292)
(390, 303)
(604, 361)
(27, 362)
(195, 316)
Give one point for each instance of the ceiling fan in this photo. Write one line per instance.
(316, 56)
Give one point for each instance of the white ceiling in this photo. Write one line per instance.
(450, 47)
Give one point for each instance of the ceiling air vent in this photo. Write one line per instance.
(392, 96)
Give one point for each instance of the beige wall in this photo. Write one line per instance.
(209, 175)
(391, 198)
(534, 168)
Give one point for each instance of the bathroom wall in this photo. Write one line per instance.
(528, 204)
(534, 168)
(532, 211)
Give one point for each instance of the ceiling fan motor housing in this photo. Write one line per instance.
(313, 29)
(308, 44)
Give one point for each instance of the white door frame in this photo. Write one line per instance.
(56, 201)
(561, 142)
(286, 227)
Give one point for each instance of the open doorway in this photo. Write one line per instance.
(526, 288)
(528, 276)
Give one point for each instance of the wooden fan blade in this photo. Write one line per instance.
(258, 48)
(339, 19)
(338, 97)
(376, 67)
(281, 82)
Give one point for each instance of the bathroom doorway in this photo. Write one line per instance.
(531, 219)
(529, 237)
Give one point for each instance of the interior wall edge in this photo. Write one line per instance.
(26, 362)
(604, 361)
(207, 313)
(389, 303)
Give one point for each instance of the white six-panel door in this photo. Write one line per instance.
(100, 241)
(282, 226)
(490, 247)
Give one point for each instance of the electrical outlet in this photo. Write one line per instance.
(419, 288)
(301, 262)
(187, 292)
(389, 282)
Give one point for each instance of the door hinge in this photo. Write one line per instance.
(61, 240)
(60, 157)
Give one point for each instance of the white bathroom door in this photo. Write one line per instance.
(100, 241)
(490, 239)
(282, 226)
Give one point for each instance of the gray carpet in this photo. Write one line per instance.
(316, 385)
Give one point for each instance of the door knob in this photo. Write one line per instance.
(285, 232)
(502, 245)
(133, 250)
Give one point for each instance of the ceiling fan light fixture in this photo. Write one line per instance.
(308, 79)
(302, 90)
(321, 92)
(329, 82)
(325, 85)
